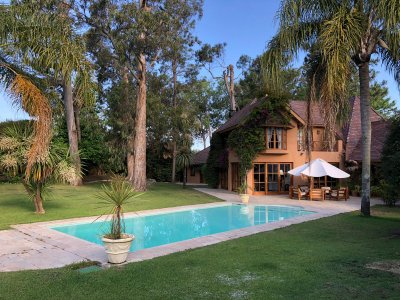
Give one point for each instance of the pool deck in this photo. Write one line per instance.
(37, 246)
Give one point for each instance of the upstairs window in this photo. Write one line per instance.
(276, 138)
(300, 139)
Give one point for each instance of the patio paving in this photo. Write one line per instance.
(37, 246)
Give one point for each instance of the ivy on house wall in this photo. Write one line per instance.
(217, 160)
(247, 142)
(247, 139)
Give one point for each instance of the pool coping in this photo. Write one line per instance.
(81, 250)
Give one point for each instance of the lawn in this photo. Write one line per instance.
(325, 259)
(68, 202)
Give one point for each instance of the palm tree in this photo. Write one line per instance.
(183, 161)
(344, 33)
(53, 164)
(41, 41)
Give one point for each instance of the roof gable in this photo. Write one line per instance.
(201, 157)
(352, 130)
(379, 132)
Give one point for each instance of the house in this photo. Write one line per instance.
(352, 133)
(284, 147)
(199, 159)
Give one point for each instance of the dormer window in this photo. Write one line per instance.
(276, 138)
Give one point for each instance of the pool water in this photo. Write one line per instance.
(165, 228)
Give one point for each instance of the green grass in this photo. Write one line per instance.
(70, 202)
(322, 259)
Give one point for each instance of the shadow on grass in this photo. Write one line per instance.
(27, 204)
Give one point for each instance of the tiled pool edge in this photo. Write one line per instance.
(81, 250)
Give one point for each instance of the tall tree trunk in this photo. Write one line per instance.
(174, 104)
(174, 153)
(229, 79)
(365, 106)
(38, 200)
(232, 87)
(203, 136)
(139, 143)
(127, 118)
(130, 159)
(71, 128)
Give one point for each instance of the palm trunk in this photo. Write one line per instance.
(139, 143)
(38, 200)
(365, 107)
(77, 112)
(71, 128)
(184, 177)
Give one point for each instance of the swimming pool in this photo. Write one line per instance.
(165, 228)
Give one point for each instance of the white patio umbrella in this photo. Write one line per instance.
(318, 168)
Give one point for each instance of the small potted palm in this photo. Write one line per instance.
(242, 190)
(116, 241)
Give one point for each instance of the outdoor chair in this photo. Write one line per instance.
(340, 194)
(317, 194)
(327, 190)
(300, 192)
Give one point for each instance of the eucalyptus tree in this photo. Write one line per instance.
(135, 32)
(178, 52)
(39, 39)
(344, 32)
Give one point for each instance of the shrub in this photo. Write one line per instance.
(376, 191)
(391, 164)
(389, 193)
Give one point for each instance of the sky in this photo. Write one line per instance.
(246, 27)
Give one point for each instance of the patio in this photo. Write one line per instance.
(35, 246)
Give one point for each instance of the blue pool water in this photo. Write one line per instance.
(166, 228)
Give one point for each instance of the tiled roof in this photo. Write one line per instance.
(201, 157)
(350, 133)
(379, 132)
(300, 108)
(352, 130)
(240, 115)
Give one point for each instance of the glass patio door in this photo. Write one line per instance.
(259, 177)
(273, 177)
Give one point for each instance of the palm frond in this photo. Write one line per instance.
(33, 101)
(281, 50)
(339, 38)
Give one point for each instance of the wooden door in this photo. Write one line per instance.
(235, 176)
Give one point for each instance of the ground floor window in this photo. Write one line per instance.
(192, 171)
(325, 181)
(259, 177)
(272, 177)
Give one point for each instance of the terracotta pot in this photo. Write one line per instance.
(244, 198)
(117, 250)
